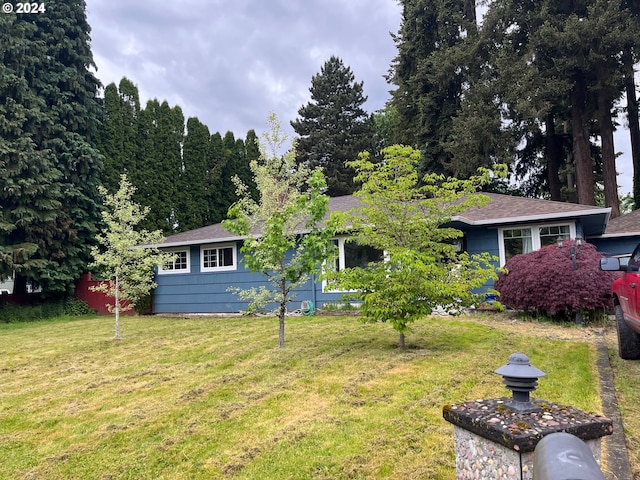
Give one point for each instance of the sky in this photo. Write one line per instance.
(233, 62)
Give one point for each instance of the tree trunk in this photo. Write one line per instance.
(283, 311)
(634, 124)
(553, 154)
(117, 308)
(19, 285)
(609, 175)
(401, 341)
(581, 146)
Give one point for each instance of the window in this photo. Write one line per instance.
(514, 241)
(218, 258)
(349, 254)
(179, 264)
(550, 235)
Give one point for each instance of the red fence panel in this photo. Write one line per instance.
(96, 300)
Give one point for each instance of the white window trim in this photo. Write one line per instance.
(341, 261)
(175, 271)
(218, 246)
(535, 235)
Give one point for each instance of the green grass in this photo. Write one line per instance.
(215, 397)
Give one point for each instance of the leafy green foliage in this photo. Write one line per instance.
(128, 256)
(333, 127)
(286, 238)
(545, 282)
(407, 219)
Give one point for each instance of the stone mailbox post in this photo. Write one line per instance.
(495, 439)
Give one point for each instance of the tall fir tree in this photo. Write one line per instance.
(429, 77)
(51, 105)
(566, 59)
(333, 127)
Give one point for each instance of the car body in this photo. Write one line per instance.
(626, 298)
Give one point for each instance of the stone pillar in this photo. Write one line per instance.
(495, 442)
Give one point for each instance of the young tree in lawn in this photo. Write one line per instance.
(127, 257)
(286, 237)
(407, 218)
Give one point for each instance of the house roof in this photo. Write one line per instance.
(624, 225)
(217, 234)
(501, 210)
(507, 209)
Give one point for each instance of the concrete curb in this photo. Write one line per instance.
(617, 460)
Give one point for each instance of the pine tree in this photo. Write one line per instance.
(54, 111)
(333, 127)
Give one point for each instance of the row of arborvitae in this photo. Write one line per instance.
(545, 282)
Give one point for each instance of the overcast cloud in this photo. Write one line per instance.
(232, 62)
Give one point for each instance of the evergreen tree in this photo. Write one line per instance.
(232, 163)
(191, 209)
(158, 172)
(333, 127)
(118, 134)
(216, 207)
(52, 112)
(429, 76)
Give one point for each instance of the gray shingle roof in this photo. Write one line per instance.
(624, 224)
(509, 209)
(502, 209)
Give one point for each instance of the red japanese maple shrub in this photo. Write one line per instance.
(545, 282)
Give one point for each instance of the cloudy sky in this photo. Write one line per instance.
(232, 62)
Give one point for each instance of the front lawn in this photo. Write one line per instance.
(215, 398)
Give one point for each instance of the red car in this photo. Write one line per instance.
(626, 297)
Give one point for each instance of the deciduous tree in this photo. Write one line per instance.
(126, 256)
(286, 238)
(407, 218)
(546, 282)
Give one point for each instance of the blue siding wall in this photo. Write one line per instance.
(615, 246)
(207, 292)
(483, 240)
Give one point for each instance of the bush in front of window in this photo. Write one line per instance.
(544, 282)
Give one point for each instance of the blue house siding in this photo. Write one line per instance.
(615, 245)
(208, 292)
(480, 240)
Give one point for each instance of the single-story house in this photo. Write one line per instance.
(208, 260)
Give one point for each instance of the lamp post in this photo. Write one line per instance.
(573, 254)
